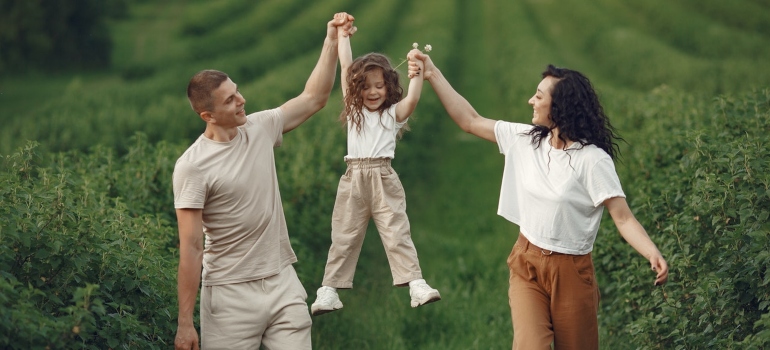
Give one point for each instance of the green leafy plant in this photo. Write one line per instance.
(77, 266)
(707, 205)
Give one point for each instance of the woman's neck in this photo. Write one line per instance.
(558, 143)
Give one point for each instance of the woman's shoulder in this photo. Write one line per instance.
(591, 155)
(511, 128)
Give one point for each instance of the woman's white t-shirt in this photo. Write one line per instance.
(555, 196)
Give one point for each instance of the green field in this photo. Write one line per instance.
(686, 84)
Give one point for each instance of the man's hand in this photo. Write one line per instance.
(342, 20)
(186, 338)
(429, 67)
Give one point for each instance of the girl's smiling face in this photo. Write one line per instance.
(374, 91)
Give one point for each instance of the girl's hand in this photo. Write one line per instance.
(416, 66)
(343, 25)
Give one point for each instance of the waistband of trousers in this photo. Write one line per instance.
(367, 163)
(524, 242)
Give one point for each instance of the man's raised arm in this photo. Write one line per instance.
(319, 86)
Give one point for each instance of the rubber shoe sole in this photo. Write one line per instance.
(316, 310)
(432, 298)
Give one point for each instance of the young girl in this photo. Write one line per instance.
(370, 188)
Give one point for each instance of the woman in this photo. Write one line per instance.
(558, 178)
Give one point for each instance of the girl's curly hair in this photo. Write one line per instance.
(356, 79)
(576, 111)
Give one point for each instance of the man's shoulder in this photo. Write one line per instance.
(189, 156)
(265, 116)
(270, 120)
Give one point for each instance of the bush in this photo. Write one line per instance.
(78, 266)
(706, 205)
(90, 242)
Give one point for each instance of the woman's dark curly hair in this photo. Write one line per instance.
(576, 111)
(356, 79)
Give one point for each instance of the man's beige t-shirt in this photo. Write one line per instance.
(235, 184)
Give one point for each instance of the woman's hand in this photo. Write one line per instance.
(428, 66)
(660, 266)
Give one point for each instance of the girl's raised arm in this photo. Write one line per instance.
(405, 108)
(346, 56)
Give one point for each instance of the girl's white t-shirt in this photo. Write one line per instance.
(555, 196)
(377, 138)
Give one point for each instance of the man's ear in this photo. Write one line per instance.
(207, 117)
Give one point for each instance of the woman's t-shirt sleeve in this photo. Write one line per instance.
(508, 133)
(602, 182)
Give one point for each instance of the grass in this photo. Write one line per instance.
(491, 51)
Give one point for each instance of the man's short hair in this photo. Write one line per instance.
(200, 88)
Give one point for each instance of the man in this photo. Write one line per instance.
(225, 187)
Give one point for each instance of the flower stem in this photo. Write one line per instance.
(399, 65)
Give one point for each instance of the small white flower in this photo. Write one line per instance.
(427, 48)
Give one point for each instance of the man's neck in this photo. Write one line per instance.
(218, 134)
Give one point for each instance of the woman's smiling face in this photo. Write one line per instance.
(541, 102)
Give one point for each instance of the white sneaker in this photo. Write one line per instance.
(422, 294)
(327, 300)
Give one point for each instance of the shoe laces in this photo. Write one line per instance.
(327, 295)
(422, 287)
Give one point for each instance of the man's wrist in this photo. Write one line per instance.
(331, 42)
(185, 321)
